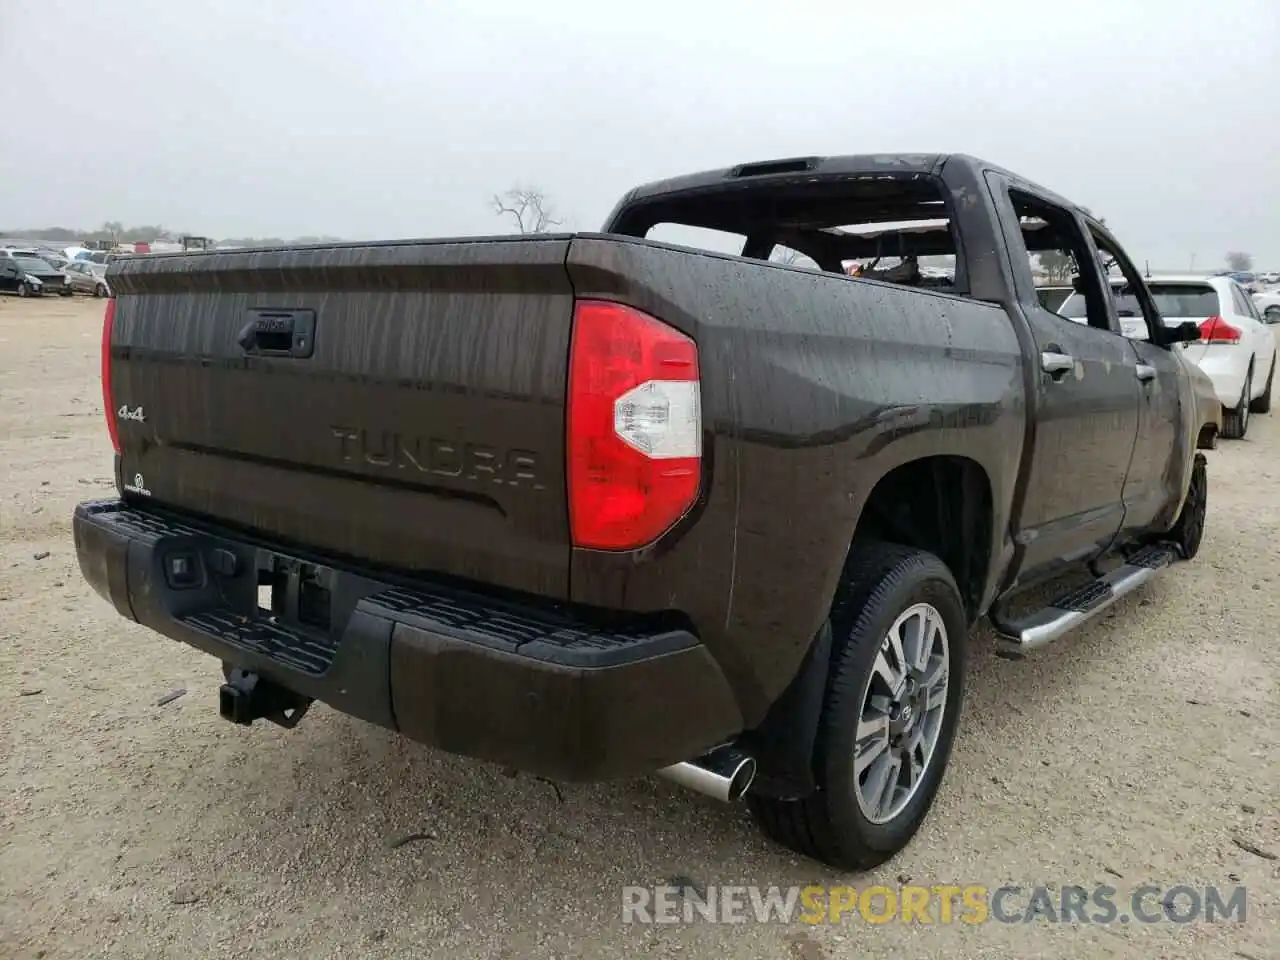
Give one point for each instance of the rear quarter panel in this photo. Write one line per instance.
(814, 387)
(1204, 403)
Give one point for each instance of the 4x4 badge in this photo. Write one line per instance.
(124, 413)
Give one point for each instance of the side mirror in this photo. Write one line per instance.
(1077, 284)
(1186, 332)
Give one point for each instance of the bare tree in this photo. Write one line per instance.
(528, 207)
(1056, 264)
(1238, 261)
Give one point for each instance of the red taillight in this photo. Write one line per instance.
(1217, 330)
(634, 427)
(108, 321)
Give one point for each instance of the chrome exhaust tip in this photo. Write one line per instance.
(724, 774)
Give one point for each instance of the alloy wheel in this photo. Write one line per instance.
(902, 710)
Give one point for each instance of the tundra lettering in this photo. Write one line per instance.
(444, 458)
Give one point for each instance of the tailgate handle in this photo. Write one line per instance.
(279, 333)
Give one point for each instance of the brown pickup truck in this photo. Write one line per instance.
(598, 506)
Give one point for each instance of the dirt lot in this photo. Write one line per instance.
(1142, 750)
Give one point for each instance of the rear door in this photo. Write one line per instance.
(1086, 419)
(72, 271)
(1266, 349)
(10, 275)
(396, 403)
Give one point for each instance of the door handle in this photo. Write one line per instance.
(279, 333)
(1056, 364)
(1145, 372)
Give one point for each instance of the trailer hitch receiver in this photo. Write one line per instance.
(247, 697)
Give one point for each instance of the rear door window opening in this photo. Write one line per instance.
(895, 229)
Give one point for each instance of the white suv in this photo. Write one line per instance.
(1236, 349)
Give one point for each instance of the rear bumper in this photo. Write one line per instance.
(1225, 366)
(507, 681)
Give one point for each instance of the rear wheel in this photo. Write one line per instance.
(890, 712)
(1263, 403)
(1235, 423)
(1188, 531)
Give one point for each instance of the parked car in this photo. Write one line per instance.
(93, 256)
(89, 278)
(1267, 303)
(653, 508)
(1132, 323)
(1052, 296)
(27, 275)
(1236, 348)
(14, 279)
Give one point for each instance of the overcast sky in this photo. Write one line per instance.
(391, 119)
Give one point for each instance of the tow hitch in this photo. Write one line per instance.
(247, 697)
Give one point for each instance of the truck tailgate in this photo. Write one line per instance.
(402, 403)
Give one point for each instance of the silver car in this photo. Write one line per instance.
(88, 277)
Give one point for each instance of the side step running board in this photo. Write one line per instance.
(1083, 604)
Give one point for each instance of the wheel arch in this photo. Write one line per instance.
(943, 504)
(1207, 438)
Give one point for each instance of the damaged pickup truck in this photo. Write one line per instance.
(598, 506)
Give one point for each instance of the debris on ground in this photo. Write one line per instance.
(184, 895)
(171, 696)
(413, 838)
(1250, 847)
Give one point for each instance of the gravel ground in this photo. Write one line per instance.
(1142, 749)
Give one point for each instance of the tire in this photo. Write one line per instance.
(838, 825)
(1235, 423)
(23, 291)
(1263, 403)
(100, 290)
(1188, 531)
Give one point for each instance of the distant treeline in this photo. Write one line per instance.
(118, 233)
